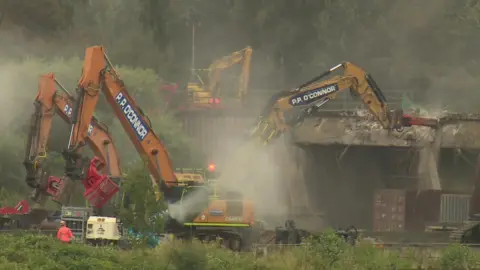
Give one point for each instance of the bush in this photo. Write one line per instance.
(43, 252)
(458, 257)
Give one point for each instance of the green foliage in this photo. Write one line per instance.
(11, 150)
(44, 252)
(142, 213)
(8, 198)
(458, 257)
(326, 250)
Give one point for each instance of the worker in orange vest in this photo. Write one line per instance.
(64, 234)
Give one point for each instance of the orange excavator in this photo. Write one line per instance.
(104, 174)
(99, 76)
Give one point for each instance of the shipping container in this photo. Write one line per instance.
(454, 208)
(422, 209)
(389, 210)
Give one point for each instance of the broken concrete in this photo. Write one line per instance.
(354, 128)
(343, 129)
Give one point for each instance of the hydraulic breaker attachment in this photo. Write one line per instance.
(399, 120)
(56, 187)
(409, 121)
(99, 188)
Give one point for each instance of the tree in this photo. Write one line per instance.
(143, 214)
(42, 18)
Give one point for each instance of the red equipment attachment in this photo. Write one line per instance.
(99, 188)
(55, 187)
(21, 208)
(409, 120)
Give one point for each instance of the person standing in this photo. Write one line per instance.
(64, 234)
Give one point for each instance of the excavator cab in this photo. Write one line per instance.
(227, 209)
(203, 92)
(215, 212)
(199, 97)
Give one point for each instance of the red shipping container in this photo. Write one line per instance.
(389, 210)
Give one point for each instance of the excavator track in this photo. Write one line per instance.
(458, 235)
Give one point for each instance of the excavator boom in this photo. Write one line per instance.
(98, 74)
(48, 102)
(216, 68)
(274, 119)
(201, 95)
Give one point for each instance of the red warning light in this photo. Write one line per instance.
(211, 167)
(214, 101)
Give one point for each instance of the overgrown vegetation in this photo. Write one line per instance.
(329, 252)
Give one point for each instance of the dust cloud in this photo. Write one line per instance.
(10, 106)
(252, 170)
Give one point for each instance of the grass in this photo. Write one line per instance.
(328, 252)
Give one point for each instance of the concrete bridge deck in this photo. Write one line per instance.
(353, 128)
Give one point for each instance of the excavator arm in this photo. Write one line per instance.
(48, 102)
(216, 68)
(98, 74)
(301, 101)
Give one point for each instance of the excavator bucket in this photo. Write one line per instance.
(101, 191)
(99, 188)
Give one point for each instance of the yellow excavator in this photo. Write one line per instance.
(286, 110)
(205, 92)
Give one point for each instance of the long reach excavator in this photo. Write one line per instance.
(215, 217)
(99, 75)
(47, 103)
(103, 168)
(206, 95)
(287, 109)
